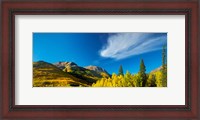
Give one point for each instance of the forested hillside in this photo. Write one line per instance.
(156, 78)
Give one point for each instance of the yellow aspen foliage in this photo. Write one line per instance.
(128, 80)
(158, 78)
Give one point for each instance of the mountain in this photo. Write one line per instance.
(90, 73)
(46, 74)
(69, 65)
(102, 72)
(156, 70)
(95, 68)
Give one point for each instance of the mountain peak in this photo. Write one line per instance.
(157, 69)
(62, 65)
(87, 71)
(95, 68)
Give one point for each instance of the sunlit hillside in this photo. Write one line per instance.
(48, 75)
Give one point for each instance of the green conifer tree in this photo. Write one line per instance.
(121, 71)
(164, 67)
(142, 73)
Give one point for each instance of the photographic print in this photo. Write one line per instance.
(124, 59)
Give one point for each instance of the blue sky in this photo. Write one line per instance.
(106, 50)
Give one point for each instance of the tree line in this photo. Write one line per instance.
(141, 79)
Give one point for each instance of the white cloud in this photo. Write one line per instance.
(123, 45)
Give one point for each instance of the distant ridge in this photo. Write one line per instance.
(93, 72)
(96, 69)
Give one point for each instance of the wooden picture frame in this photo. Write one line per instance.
(10, 8)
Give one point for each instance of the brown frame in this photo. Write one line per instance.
(10, 8)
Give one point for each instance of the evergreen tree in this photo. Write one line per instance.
(142, 73)
(121, 71)
(164, 56)
(164, 67)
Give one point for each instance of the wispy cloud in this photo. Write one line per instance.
(123, 45)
